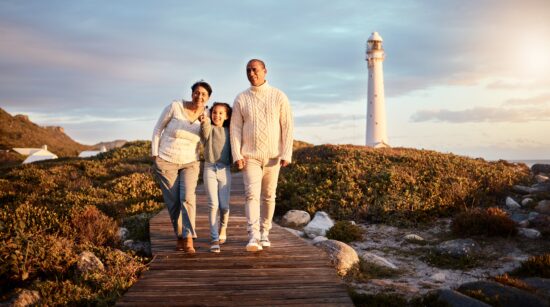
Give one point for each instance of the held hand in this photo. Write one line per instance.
(240, 163)
(284, 163)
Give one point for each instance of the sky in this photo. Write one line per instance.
(468, 77)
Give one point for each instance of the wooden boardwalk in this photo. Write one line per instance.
(290, 273)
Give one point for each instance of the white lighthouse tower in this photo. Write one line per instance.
(376, 109)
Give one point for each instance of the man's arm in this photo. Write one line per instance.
(236, 133)
(287, 130)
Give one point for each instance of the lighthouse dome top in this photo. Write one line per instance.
(375, 37)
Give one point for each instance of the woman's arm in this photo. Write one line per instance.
(163, 120)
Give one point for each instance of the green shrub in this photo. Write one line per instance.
(508, 280)
(395, 185)
(535, 266)
(446, 261)
(94, 227)
(364, 270)
(377, 300)
(50, 212)
(131, 151)
(491, 222)
(345, 231)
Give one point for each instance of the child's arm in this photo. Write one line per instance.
(206, 129)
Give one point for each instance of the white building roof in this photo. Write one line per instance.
(26, 151)
(41, 154)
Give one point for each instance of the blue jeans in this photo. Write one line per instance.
(178, 183)
(217, 183)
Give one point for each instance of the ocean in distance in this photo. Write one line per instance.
(531, 162)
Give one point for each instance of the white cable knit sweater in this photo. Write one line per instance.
(175, 138)
(261, 124)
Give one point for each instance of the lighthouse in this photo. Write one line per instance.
(376, 109)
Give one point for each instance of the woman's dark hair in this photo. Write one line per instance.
(204, 85)
(227, 110)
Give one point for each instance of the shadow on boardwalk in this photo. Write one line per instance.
(291, 272)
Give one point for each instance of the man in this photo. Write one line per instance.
(261, 142)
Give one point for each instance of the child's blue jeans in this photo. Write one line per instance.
(217, 183)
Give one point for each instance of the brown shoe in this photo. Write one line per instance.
(180, 244)
(188, 248)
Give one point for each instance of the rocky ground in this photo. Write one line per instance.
(411, 262)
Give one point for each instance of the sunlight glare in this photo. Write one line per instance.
(535, 59)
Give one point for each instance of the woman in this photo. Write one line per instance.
(175, 148)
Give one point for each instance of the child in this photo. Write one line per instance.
(217, 170)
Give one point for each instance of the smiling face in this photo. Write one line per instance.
(219, 115)
(200, 96)
(255, 72)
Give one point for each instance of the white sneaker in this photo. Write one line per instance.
(264, 241)
(253, 246)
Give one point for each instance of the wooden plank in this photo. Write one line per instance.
(291, 273)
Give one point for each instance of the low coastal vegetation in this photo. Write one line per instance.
(393, 185)
(54, 210)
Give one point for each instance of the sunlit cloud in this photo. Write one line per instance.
(482, 114)
(42, 118)
(321, 119)
(538, 100)
(32, 48)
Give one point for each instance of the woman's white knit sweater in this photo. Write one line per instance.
(175, 138)
(261, 124)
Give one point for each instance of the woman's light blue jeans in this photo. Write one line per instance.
(178, 183)
(217, 183)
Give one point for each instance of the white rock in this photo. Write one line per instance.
(319, 226)
(138, 246)
(439, 276)
(88, 262)
(295, 218)
(458, 248)
(512, 204)
(524, 223)
(526, 201)
(341, 255)
(541, 178)
(412, 238)
(377, 260)
(529, 233)
(543, 207)
(123, 233)
(294, 232)
(319, 239)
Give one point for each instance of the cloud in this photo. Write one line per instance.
(322, 119)
(538, 100)
(482, 114)
(71, 119)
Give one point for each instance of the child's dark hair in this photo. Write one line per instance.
(227, 110)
